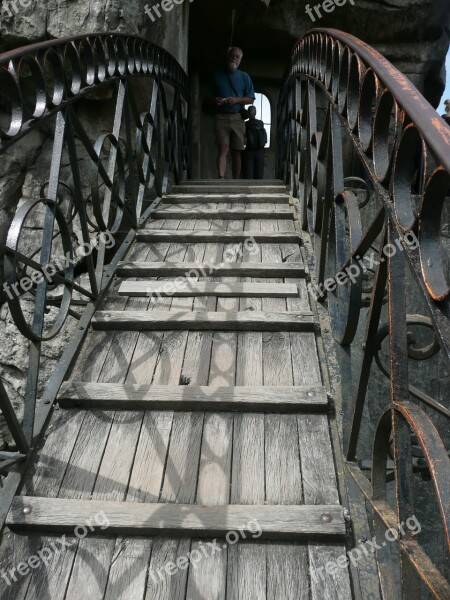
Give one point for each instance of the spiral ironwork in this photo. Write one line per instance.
(104, 175)
(368, 162)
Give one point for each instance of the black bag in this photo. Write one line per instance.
(256, 134)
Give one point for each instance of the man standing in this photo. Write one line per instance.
(231, 90)
(256, 135)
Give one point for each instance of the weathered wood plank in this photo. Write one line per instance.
(246, 572)
(228, 189)
(160, 584)
(202, 198)
(219, 213)
(206, 579)
(238, 182)
(282, 456)
(209, 578)
(160, 397)
(319, 484)
(127, 576)
(206, 288)
(213, 236)
(187, 269)
(133, 518)
(167, 320)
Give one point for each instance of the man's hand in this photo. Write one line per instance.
(218, 101)
(233, 100)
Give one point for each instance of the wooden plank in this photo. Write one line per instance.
(209, 578)
(228, 189)
(219, 237)
(192, 287)
(283, 482)
(201, 199)
(319, 483)
(160, 397)
(133, 518)
(239, 182)
(188, 269)
(219, 213)
(167, 320)
(288, 572)
(246, 572)
(128, 572)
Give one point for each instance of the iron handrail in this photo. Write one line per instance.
(101, 183)
(348, 119)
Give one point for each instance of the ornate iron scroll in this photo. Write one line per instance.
(112, 113)
(368, 160)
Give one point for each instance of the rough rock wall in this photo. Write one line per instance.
(413, 34)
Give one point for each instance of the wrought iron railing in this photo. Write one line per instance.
(369, 161)
(112, 117)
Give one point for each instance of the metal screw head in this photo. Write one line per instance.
(26, 510)
(326, 518)
(311, 394)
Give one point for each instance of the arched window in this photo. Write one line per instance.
(264, 113)
(446, 94)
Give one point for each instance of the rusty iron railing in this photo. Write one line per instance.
(113, 116)
(368, 160)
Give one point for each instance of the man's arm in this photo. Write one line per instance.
(246, 100)
(249, 94)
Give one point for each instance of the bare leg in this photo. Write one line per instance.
(222, 152)
(237, 163)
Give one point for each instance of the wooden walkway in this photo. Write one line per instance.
(195, 412)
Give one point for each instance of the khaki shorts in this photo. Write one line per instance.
(230, 131)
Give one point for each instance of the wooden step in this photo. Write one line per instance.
(226, 198)
(234, 214)
(128, 396)
(232, 182)
(192, 287)
(244, 269)
(156, 320)
(136, 518)
(181, 236)
(228, 189)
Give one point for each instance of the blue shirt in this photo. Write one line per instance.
(221, 87)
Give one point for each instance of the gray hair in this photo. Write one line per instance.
(252, 110)
(231, 48)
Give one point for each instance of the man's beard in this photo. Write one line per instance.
(232, 66)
